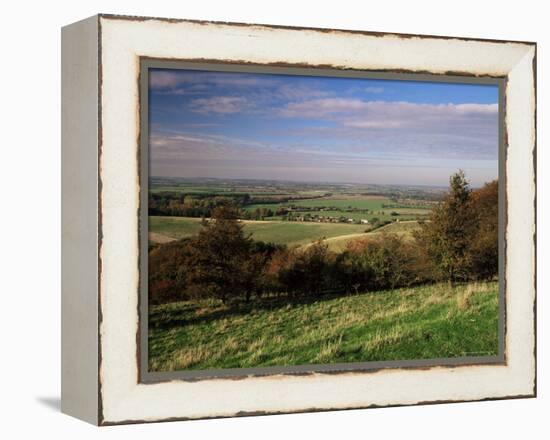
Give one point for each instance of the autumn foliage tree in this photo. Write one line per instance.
(383, 262)
(447, 236)
(301, 272)
(168, 272)
(484, 244)
(461, 237)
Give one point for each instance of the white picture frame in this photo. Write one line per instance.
(101, 380)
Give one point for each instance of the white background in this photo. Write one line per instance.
(30, 217)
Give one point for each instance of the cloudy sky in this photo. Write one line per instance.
(284, 127)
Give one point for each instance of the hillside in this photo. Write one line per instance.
(336, 235)
(164, 229)
(434, 321)
(339, 243)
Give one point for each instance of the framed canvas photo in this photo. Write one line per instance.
(263, 220)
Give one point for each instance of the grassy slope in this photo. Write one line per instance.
(337, 235)
(340, 243)
(416, 323)
(291, 233)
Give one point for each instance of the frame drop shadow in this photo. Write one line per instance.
(52, 403)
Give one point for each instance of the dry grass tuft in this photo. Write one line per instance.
(382, 339)
(188, 357)
(464, 298)
(329, 349)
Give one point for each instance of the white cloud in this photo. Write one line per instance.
(476, 108)
(171, 80)
(353, 107)
(163, 79)
(201, 155)
(220, 104)
(319, 108)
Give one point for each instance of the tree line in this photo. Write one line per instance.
(176, 204)
(458, 243)
(182, 204)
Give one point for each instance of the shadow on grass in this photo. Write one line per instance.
(182, 314)
(178, 316)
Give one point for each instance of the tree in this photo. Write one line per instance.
(168, 272)
(219, 256)
(447, 236)
(303, 272)
(484, 245)
(387, 261)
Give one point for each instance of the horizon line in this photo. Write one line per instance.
(314, 182)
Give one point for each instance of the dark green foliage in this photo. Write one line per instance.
(220, 262)
(384, 262)
(447, 236)
(168, 272)
(180, 204)
(219, 257)
(306, 272)
(461, 237)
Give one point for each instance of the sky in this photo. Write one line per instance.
(320, 129)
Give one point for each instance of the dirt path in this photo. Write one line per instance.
(156, 237)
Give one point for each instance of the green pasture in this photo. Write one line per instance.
(426, 322)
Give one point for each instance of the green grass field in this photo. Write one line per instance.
(282, 232)
(340, 205)
(434, 321)
(344, 203)
(336, 235)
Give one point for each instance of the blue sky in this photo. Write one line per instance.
(303, 128)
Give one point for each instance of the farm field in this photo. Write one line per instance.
(344, 203)
(356, 208)
(281, 232)
(431, 321)
(335, 235)
(277, 201)
(340, 243)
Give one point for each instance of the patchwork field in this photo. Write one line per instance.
(356, 208)
(282, 232)
(433, 321)
(336, 235)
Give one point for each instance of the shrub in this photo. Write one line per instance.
(300, 272)
(168, 272)
(385, 262)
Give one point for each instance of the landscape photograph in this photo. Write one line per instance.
(305, 220)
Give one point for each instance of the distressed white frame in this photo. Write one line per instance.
(122, 41)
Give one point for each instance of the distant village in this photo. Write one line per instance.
(327, 219)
